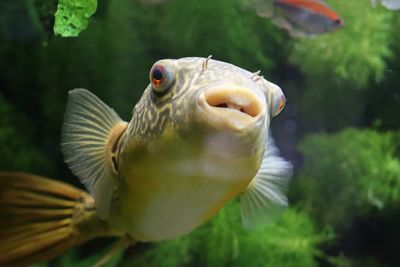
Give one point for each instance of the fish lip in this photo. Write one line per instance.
(231, 107)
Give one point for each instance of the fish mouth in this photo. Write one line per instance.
(231, 107)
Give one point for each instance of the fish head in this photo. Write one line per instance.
(203, 97)
(327, 24)
(206, 109)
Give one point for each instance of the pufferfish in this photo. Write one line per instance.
(198, 137)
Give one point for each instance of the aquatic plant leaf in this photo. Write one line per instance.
(72, 16)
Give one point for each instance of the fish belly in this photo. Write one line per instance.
(155, 205)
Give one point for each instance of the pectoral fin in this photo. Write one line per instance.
(89, 130)
(266, 192)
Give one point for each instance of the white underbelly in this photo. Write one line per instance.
(168, 216)
(173, 188)
(164, 207)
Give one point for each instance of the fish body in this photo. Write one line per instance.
(300, 17)
(199, 157)
(196, 140)
(187, 187)
(198, 137)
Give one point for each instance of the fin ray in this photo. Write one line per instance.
(97, 108)
(40, 218)
(266, 192)
(86, 129)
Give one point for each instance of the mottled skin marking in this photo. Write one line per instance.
(153, 112)
(164, 109)
(177, 170)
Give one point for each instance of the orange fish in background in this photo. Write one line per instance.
(301, 18)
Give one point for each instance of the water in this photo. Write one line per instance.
(340, 127)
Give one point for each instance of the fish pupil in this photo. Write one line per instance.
(157, 75)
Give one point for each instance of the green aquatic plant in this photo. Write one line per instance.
(357, 52)
(348, 174)
(338, 105)
(291, 240)
(72, 259)
(16, 150)
(72, 16)
(199, 27)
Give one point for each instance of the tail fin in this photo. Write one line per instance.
(41, 218)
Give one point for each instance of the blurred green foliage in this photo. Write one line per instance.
(337, 103)
(355, 171)
(17, 151)
(72, 259)
(292, 240)
(356, 53)
(199, 27)
(347, 179)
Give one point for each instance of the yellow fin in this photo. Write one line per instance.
(266, 192)
(40, 218)
(87, 129)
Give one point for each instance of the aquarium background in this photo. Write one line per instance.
(340, 127)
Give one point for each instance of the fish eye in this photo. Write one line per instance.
(161, 77)
(338, 22)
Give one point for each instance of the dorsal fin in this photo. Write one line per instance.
(265, 194)
(90, 128)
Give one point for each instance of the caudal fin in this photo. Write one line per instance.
(41, 218)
